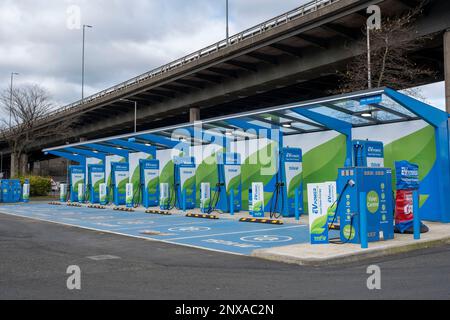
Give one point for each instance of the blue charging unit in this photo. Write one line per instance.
(77, 175)
(291, 173)
(376, 184)
(120, 176)
(96, 176)
(11, 191)
(368, 153)
(149, 182)
(229, 186)
(184, 182)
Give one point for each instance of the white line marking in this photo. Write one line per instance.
(237, 232)
(103, 257)
(159, 226)
(129, 235)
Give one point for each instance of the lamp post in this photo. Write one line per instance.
(82, 61)
(11, 97)
(227, 26)
(135, 112)
(369, 63)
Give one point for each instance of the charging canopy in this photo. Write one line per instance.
(340, 113)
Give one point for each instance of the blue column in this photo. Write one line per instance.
(416, 215)
(231, 202)
(363, 220)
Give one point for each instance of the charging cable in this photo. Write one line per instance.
(215, 198)
(273, 206)
(349, 183)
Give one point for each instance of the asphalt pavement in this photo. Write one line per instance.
(35, 255)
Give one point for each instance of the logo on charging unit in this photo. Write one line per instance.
(373, 201)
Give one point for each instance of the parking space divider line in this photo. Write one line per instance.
(237, 232)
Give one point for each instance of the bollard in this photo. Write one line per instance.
(26, 191)
(363, 220)
(416, 216)
(183, 200)
(296, 206)
(232, 202)
(129, 195)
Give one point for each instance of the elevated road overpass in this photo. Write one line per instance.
(292, 57)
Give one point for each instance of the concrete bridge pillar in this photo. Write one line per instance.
(24, 164)
(14, 168)
(194, 114)
(447, 68)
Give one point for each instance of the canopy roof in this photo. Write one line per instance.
(340, 113)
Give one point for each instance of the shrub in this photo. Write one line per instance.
(39, 186)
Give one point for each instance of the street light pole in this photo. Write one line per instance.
(11, 97)
(369, 62)
(227, 25)
(82, 61)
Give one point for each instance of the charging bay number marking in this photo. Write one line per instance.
(190, 229)
(266, 238)
(135, 222)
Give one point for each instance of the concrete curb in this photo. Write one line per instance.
(367, 254)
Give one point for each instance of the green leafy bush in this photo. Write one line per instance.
(39, 186)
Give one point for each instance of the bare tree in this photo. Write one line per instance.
(29, 104)
(391, 65)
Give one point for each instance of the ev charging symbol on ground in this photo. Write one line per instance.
(189, 229)
(266, 238)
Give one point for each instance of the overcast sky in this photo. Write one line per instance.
(129, 37)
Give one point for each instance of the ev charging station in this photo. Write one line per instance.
(149, 182)
(367, 176)
(77, 178)
(119, 178)
(10, 190)
(368, 154)
(361, 188)
(184, 182)
(377, 207)
(96, 176)
(228, 192)
(290, 182)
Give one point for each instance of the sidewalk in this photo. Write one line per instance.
(330, 254)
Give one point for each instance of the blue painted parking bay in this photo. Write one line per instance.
(224, 235)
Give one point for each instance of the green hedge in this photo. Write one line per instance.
(39, 186)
